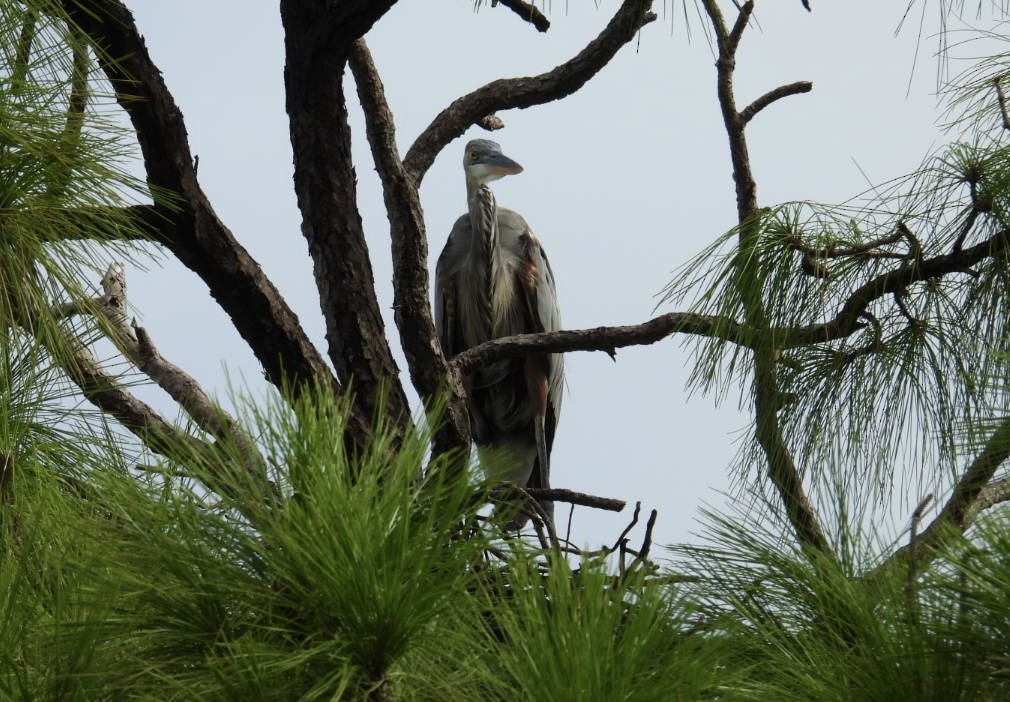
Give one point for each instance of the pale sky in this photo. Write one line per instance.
(623, 182)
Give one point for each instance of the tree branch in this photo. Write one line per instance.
(748, 113)
(782, 470)
(846, 320)
(504, 94)
(528, 12)
(960, 507)
(602, 338)
(189, 226)
(1001, 100)
(326, 188)
(991, 495)
(103, 391)
(430, 372)
(136, 345)
(576, 498)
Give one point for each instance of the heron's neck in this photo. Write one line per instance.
(483, 222)
(484, 249)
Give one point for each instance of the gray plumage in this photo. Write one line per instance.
(493, 280)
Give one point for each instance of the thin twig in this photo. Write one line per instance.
(627, 530)
(643, 551)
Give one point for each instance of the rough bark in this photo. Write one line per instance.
(430, 372)
(316, 52)
(186, 223)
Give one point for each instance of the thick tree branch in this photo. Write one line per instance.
(430, 372)
(326, 188)
(602, 338)
(504, 94)
(189, 225)
(996, 492)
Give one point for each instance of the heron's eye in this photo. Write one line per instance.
(473, 155)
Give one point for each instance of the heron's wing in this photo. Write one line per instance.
(446, 302)
(540, 301)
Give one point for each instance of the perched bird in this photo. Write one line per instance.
(493, 280)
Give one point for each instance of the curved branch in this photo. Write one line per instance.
(603, 338)
(510, 93)
(846, 321)
(748, 113)
(961, 507)
(136, 345)
(429, 370)
(105, 393)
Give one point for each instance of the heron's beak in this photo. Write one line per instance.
(500, 165)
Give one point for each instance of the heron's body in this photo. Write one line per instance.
(493, 280)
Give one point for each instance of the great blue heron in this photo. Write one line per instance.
(493, 280)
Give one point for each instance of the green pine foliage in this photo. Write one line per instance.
(373, 575)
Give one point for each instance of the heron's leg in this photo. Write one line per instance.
(543, 458)
(536, 386)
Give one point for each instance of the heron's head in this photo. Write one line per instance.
(483, 162)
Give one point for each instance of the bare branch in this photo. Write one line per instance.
(511, 93)
(528, 12)
(136, 345)
(735, 34)
(430, 373)
(576, 498)
(643, 551)
(623, 538)
(603, 338)
(189, 227)
(103, 391)
(748, 113)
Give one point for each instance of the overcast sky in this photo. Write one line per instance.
(623, 182)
